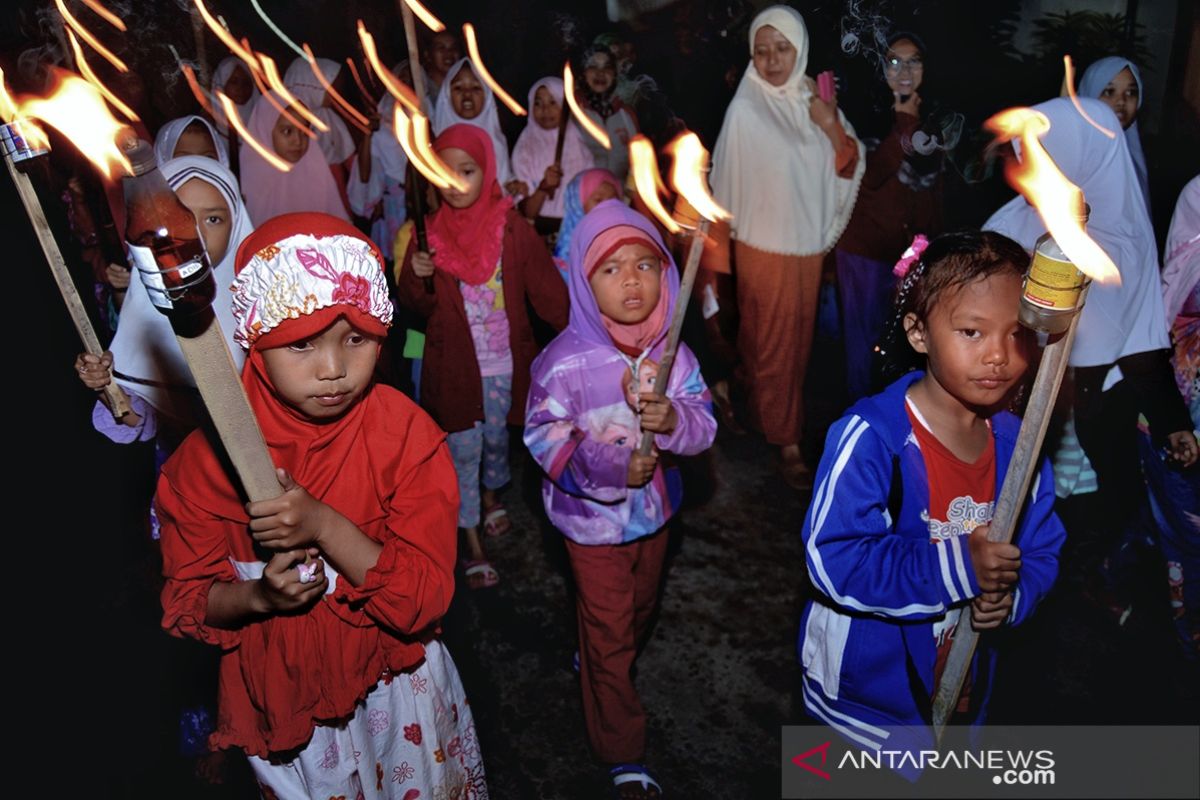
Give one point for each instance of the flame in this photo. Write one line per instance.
(1057, 200)
(8, 107)
(362, 122)
(395, 88)
(34, 136)
(239, 50)
(86, 70)
(266, 92)
(77, 109)
(197, 91)
(270, 23)
(687, 176)
(362, 87)
(87, 36)
(1069, 82)
(425, 149)
(647, 180)
(428, 18)
(108, 16)
(404, 134)
(276, 83)
(231, 114)
(477, 63)
(585, 122)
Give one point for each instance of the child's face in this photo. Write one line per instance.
(466, 94)
(443, 53)
(546, 110)
(600, 73)
(774, 56)
(461, 162)
(323, 377)
(903, 68)
(1121, 95)
(627, 283)
(195, 141)
(289, 142)
(605, 191)
(976, 350)
(239, 87)
(212, 213)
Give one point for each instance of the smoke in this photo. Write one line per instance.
(865, 27)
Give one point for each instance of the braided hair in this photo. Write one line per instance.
(950, 262)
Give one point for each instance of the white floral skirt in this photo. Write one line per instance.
(413, 737)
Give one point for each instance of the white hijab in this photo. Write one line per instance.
(488, 119)
(1095, 78)
(773, 168)
(534, 151)
(336, 144)
(1181, 256)
(1116, 320)
(146, 357)
(168, 138)
(220, 77)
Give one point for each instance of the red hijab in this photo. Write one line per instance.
(467, 241)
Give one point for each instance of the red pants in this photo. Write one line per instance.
(617, 592)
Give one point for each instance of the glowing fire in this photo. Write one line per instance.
(1069, 82)
(87, 73)
(226, 37)
(104, 13)
(687, 176)
(276, 83)
(87, 36)
(644, 166)
(362, 87)
(266, 92)
(197, 91)
(77, 109)
(8, 108)
(485, 76)
(337, 97)
(395, 88)
(1057, 200)
(413, 136)
(428, 18)
(231, 113)
(585, 122)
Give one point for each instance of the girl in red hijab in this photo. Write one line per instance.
(485, 263)
(325, 600)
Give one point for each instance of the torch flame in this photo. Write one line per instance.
(397, 89)
(87, 36)
(362, 121)
(585, 122)
(428, 18)
(108, 16)
(231, 113)
(362, 87)
(8, 108)
(77, 109)
(1069, 82)
(86, 70)
(197, 91)
(276, 83)
(477, 63)
(404, 134)
(269, 96)
(414, 138)
(1058, 201)
(644, 166)
(687, 176)
(226, 37)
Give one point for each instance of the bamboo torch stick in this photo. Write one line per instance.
(16, 149)
(564, 119)
(418, 183)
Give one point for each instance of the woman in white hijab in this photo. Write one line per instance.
(1117, 83)
(786, 164)
(232, 78)
(190, 136)
(1120, 355)
(336, 144)
(465, 98)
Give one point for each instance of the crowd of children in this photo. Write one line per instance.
(325, 602)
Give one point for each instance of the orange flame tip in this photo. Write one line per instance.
(585, 122)
(105, 14)
(8, 107)
(239, 50)
(362, 87)
(1057, 200)
(477, 63)
(647, 180)
(687, 176)
(276, 83)
(87, 73)
(87, 36)
(197, 91)
(1069, 81)
(337, 97)
(77, 110)
(395, 88)
(231, 113)
(432, 22)
(420, 125)
(404, 134)
(266, 92)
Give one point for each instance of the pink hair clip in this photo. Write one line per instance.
(911, 256)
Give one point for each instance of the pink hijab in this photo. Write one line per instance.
(309, 186)
(535, 150)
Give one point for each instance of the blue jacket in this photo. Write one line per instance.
(866, 640)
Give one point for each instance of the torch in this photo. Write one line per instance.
(1064, 261)
(690, 162)
(22, 141)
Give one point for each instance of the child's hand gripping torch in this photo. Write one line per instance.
(690, 163)
(1056, 285)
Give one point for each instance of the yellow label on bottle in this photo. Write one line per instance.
(1052, 283)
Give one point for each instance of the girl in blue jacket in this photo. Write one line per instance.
(895, 538)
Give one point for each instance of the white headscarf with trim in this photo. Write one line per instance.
(168, 138)
(336, 144)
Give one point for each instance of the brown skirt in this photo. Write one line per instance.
(777, 304)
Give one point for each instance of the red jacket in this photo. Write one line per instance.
(451, 386)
